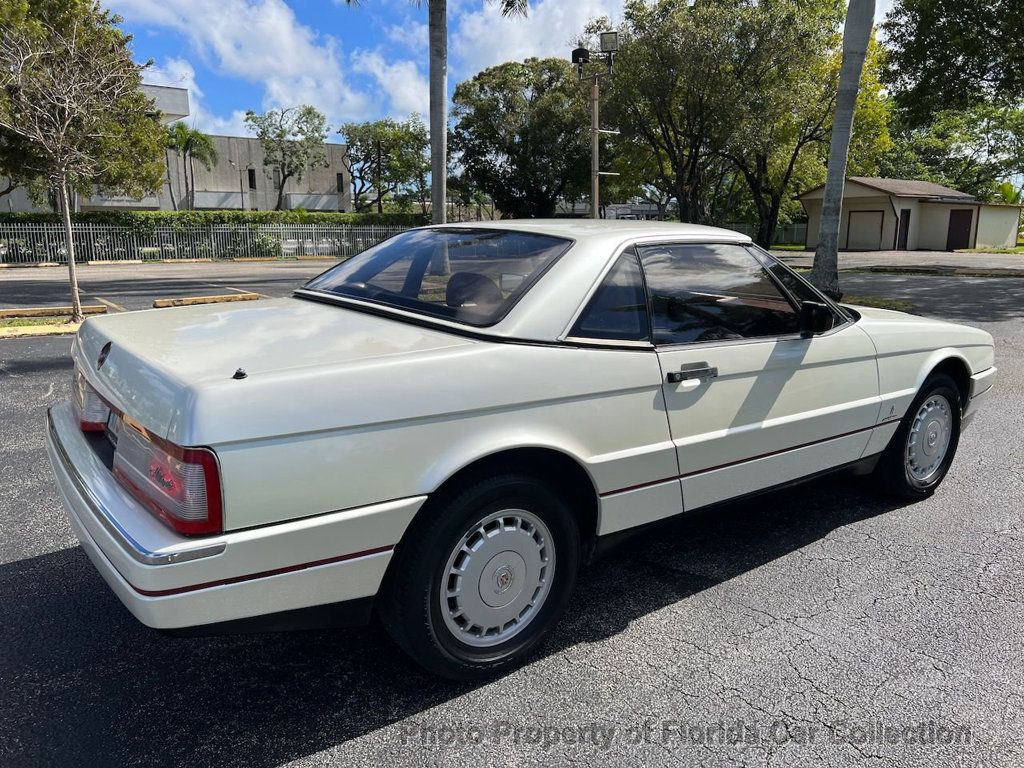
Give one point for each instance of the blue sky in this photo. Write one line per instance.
(352, 63)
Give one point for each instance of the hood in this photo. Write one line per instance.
(899, 333)
(162, 361)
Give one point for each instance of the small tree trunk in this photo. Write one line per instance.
(856, 36)
(280, 192)
(437, 16)
(69, 242)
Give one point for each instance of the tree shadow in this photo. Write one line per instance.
(957, 299)
(84, 683)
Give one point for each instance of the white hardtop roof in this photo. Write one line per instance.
(612, 229)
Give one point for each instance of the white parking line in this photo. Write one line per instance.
(110, 304)
(236, 290)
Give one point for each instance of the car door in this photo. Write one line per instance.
(750, 403)
(638, 482)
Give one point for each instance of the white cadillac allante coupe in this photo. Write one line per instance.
(440, 429)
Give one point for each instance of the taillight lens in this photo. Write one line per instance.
(90, 409)
(180, 485)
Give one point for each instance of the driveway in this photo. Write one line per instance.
(819, 625)
(937, 260)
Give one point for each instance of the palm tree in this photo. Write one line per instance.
(1009, 194)
(860, 18)
(190, 145)
(437, 25)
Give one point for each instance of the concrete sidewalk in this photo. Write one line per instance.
(919, 262)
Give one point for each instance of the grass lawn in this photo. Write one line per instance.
(790, 247)
(1018, 249)
(21, 322)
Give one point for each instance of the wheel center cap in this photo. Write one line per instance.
(502, 579)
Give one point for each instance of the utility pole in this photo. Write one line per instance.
(595, 149)
(581, 57)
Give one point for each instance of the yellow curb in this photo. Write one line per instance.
(264, 258)
(105, 262)
(39, 330)
(319, 258)
(189, 301)
(90, 309)
(34, 264)
(186, 261)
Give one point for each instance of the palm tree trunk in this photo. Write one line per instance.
(437, 15)
(192, 173)
(170, 184)
(856, 36)
(184, 173)
(69, 241)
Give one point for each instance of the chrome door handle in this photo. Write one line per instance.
(693, 372)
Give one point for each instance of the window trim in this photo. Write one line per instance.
(745, 245)
(845, 316)
(406, 312)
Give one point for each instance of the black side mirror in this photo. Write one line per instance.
(815, 318)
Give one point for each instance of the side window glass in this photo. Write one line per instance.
(709, 292)
(618, 309)
(797, 288)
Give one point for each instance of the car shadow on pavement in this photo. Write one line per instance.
(83, 683)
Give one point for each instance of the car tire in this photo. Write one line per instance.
(919, 455)
(482, 576)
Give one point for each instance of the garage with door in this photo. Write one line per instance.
(907, 215)
(864, 231)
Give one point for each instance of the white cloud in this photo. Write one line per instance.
(481, 37)
(406, 88)
(413, 36)
(260, 41)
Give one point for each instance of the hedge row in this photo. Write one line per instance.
(143, 220)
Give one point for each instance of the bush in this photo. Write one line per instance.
(144, 221)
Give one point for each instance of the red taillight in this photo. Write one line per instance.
(89, 407)
(180, 485)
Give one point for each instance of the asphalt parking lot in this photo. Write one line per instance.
(819, 625)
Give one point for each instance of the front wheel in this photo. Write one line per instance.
(922, 450)
(482, 577)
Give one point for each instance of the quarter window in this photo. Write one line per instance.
(710, 292)
(618, 309)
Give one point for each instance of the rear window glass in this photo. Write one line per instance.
(472, 276)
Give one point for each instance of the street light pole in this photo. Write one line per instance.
(581, 57)
(595, 149)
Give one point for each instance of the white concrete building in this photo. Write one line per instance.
(899, 214)
(238, 181)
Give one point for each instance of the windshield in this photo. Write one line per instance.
(472, 276)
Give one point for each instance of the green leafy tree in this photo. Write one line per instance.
(694, 82)
(1008, 193)
(386, 158)
(643, 175)
(292, 140)
(72, 107)
(522, 135)
(953, 54)
(972, 150)
(190, 145)
(790, 113)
